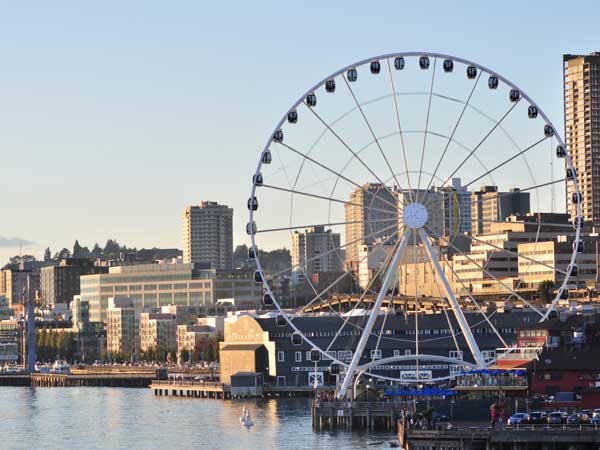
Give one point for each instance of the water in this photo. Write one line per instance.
(116, 418)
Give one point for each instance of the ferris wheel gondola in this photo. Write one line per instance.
(379, 145)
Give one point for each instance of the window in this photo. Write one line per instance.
(376, 354)
(298, 357)
(281, 379)
(396, 353)
(456, 354)
(280, 356)
(488, 355)
(407, 352)
(308, 355)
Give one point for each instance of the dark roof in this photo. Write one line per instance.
(567, 360)
(233, 347)
(556, 324)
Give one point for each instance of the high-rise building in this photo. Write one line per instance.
(314, 251)
(456, 209)
(371, 214)
(208, 235)
(18, 285)
(488, 206)
(581, 74)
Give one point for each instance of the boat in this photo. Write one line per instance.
(60, 366)
(245, 419)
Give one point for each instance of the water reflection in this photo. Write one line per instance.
(105, 418)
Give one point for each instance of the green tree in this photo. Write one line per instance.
(77, 249)
(97, 251)
(47, 254)
(184, 355)
(64, 253)
(546, 290)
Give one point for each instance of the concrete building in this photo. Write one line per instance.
(80, 314)
(238, 284)
(188, 336)
(122, 327)
(488, 206)
(58, 284)
(313, 252)
(370, 258)
(208, 235)
(158, 331)
(18, 285)
(10, 341)
(549, 260)
(581, 75)
(371, 213)
(148, 286)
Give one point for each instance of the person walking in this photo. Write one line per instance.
(494, 415)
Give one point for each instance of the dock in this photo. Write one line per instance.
(530, 437)
(350, 415)
(194, 389)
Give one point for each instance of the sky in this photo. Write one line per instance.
(116, 115)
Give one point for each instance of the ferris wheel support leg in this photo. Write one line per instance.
(460, 317)
(387, 280)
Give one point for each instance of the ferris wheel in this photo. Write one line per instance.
(395, 178)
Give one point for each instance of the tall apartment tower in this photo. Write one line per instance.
(371, 214)
(314, 251)
(581, 75)
(208, 235)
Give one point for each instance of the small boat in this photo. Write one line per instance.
(245, 419)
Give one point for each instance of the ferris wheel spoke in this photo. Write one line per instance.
(393, 267)
(426, 127)
(522, 152)
(354, 154)
(335, 249)
(367, 289)
(364, 116)
(330, 224)
(324, 197)
(406, 169)
(512, 253)
(482, 268)
(451, 137)
(339, 175)
(474, 302)
(458, 314)
(488, 134)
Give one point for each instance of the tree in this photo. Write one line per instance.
(77, 249)
(64, 253)
(97, 251)
(47, 254)
(18, 258)
(545, 291)
(184, 355)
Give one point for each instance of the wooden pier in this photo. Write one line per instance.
(530, 437)
(349, 415)
(195, 389)
(139, 380)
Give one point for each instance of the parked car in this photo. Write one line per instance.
(519, 419)
(574, 419)
(595, 420)
(538, 417)
(556, 418)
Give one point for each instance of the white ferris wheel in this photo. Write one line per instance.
(382, 158)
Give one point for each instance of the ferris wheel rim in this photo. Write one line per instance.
(388, 56)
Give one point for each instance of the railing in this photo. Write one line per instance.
(361, 405)
(178, 383)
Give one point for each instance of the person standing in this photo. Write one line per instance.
(493, 414)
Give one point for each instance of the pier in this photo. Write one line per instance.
(195, 389)
(349, 415)
(530, 437)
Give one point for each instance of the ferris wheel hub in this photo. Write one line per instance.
(415, 215)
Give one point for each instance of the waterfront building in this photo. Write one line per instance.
(189, 336)
(158, 331)
(259, 344)
(148, 286)
(122, 327)
(370, 258)
(489, 206)
(10, 341)
(58, 284)
(581, 76)
(313, 252)
(371, 213)
(208, 235)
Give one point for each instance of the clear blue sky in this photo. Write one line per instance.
(114, 116)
